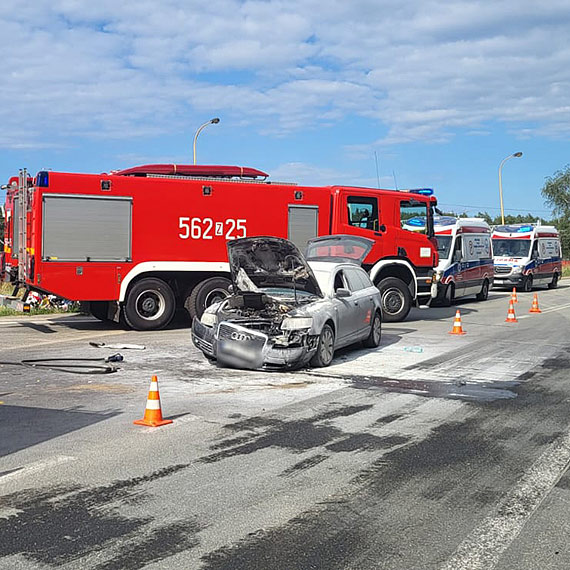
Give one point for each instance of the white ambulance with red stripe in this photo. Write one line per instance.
(465, 258)
(526, 255)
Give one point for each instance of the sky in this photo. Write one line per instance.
(421, 93)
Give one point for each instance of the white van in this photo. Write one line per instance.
(526, 255)
(465, 258)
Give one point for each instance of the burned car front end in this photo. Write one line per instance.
(258, 330)
(273, 316)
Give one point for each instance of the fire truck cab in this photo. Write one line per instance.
(138, 243)
(526, 255)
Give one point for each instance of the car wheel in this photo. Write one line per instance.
(373, 339)
(206, 293)
(527, 284)
(395, 298)
(554, 283)
(150, 305)
(99, 309)
(325, 348)
(482, 296)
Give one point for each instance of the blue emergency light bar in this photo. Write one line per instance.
(422, 191)
(42, 179)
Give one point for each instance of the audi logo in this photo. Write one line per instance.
(240, 336)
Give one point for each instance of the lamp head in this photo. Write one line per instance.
(517, 154)
(216, 120)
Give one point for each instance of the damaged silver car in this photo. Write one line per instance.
(286, 311)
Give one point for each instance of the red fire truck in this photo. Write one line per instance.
(138, 243)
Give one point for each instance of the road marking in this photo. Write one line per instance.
(36, 467)
(483, 548)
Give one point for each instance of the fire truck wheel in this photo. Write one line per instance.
(206, 293)
(99, 309)
(325, 348)
(150, 305)
(373, 339)
(554, 283)
(396, 299)
(527, 284)
(484, 293)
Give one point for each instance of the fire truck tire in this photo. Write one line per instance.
(206, 293)
(527, 284)
(325, 348)
(150, 305)
(554, 283)
(99, 309)
(484, 293)
(396, 299)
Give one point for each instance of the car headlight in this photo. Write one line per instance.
(208, 319)
(296, 323)
(517, 268)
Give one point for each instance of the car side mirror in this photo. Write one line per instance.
(341, 293)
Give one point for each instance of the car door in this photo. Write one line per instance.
(345, 309)
(459, 268)
(363, 298)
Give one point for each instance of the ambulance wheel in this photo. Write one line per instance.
(99, 309)
(206, 293)
(482, 296)
(395, 298)
(527, 284)
(325, 348)
(449, 295)
(150, 305)
(554, 283)
(375, 336)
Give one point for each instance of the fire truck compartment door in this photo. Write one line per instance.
(303, 224)
(86, 228)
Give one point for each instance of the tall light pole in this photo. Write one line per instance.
(515, 155)
(213, 121)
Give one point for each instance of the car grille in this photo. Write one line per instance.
(232, 333)
(502, 270)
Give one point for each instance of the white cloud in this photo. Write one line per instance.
(421, 70)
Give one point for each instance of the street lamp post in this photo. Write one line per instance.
(213, 121)
(515, 155)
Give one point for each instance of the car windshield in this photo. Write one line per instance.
(511, 247)
(286, 293)
(443, 246)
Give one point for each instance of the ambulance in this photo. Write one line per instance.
(465, 258)
(526, 255)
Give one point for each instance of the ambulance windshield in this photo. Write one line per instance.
(443, 246)
(511, 247)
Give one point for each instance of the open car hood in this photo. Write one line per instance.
(339, 248)
(260, 262)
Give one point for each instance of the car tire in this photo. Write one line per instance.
(448, 295)
(206, 293)
(395, 298)
(375, 336)
(527, 284)
(100, 310)
(554, 283)
(325, 348)
(150, 305)
(484, 293)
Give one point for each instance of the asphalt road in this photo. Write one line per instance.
(432, 451)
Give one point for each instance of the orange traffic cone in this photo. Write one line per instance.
(457, 324)
(511, 317)
(153, 413)
(534, 308)
(514, 297)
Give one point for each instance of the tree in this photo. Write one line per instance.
(556, 193)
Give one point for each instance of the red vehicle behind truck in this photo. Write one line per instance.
(138, 243)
